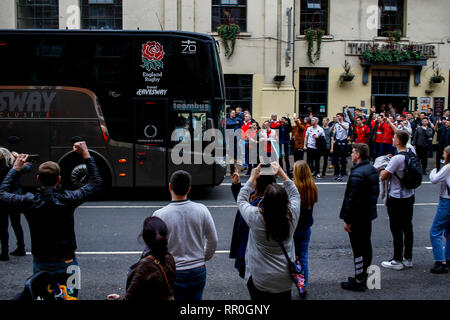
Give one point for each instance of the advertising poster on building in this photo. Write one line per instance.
(424, 104)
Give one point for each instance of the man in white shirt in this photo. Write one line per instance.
(339, 145)
(312, 153)
(192, 237)
(399, 206)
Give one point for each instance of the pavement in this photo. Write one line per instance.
(108, 230)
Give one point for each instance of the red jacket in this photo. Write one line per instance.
(388, 134)
(379, 138)
(275, 124)
(362, 134)
(244, 129)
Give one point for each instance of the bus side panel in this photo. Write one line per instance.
(31, 134)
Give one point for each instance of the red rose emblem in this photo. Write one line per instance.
(152, 50)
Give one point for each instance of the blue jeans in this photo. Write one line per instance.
(301, 242)
(189, 284)
(441, 226)
(58, 270)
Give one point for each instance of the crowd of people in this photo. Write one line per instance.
(331, 140)
(273, 221)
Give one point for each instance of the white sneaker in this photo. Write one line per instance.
(392, 264)
(407, 263)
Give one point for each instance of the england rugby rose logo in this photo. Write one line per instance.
(152, 54)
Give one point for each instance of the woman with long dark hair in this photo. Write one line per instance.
(239, 238)
(272, 226)
(308, 197)
(152, 278)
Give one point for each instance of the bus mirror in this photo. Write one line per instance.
(209, 123)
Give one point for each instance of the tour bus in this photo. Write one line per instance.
(124, 92)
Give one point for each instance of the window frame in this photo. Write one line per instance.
(242, 27)
(305, 11)
(303, 102)
(42, 15)
(381, 32)
(238, 102)
(115, 11)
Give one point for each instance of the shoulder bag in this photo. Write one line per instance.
(295, 271)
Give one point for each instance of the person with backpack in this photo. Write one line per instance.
(441, 222)
(405, 174)
(152, 278)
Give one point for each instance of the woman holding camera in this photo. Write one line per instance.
(272, 226)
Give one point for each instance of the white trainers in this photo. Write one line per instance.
(407, 263)
(393, 264)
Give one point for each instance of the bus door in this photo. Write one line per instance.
(187, 125)
(150, 142)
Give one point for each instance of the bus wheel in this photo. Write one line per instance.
(78, 176)
(74, 175)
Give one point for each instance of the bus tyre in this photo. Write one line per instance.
(74, 175)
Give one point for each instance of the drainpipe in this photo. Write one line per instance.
(293, 58)
(179, 15)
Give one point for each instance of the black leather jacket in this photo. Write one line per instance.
(361, 194)
(50, 213)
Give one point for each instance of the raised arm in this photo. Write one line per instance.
(94, 183)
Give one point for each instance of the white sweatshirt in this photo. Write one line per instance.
(443, 176)
(192, 233)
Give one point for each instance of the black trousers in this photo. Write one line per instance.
(313, 158)
(17, 227)
(298, 154)
(400, 211)
(257, 295)
(285, 147)
(422, 154)
(439, 153)
(360, 239)
(340, 153)
(325, 154)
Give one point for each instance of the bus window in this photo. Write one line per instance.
(182, 128)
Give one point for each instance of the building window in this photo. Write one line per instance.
(391, 16)
(313, 91)
(229, 12)
(390, 83)
(101, 14)
(37, 14)
(314, 15)
(239, 91)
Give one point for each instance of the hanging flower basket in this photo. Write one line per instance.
(347, 77)
(228, 33)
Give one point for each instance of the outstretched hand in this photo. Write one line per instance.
(256, 172)
(20, 162)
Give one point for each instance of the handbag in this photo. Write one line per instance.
(158, 263)
(296, 271)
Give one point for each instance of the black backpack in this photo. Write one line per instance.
(413, 171)
(321, 143)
